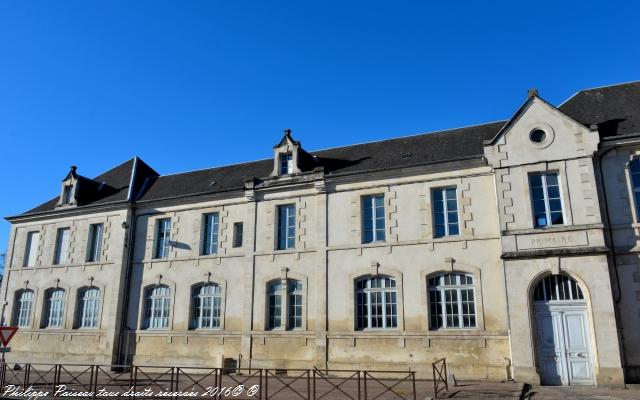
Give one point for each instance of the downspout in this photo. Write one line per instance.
(618, 295)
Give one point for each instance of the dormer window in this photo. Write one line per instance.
(286, 164)
(66, 194)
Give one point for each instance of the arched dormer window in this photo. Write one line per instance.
(69, 189)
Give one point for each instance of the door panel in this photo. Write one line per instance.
(564, 355)
(577, 347)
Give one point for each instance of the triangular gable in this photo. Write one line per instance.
(521, 111)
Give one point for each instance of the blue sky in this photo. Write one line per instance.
(194, 84)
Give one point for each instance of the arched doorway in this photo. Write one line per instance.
(563, 343)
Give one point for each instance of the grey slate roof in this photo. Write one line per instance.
(111, 186)
(616, 110)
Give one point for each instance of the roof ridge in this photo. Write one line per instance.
(595, 88)
(410, 136)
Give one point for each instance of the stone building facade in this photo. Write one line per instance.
(510, 248)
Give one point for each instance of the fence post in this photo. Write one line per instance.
(358, 385)
(364, 373)
(26, 377)
(413, 382)
(308, 385)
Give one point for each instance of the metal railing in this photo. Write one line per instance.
(440, 382)
(111, 381)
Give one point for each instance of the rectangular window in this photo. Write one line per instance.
(163, 237)
(210, 245)
(31, 250)
(373, 218)
(286, 227)
(634, 172)
(61, 255)
(546, 199)
(445, 212)
(286, 164)
(95, 242)
(66, 194)
(237, 234)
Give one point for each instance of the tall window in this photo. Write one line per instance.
(88, 307)
(95, 242)
(634, 171)
(237, 234)
(294, 295)
(376, 303)
(61, 255)
(163, 237)
(210, 245)
(23, 308)
(373, 218)
(31, 251)
(276, 306)
(66, 194)
(445, 212)
(54, 315)
(206, 302)
(452, 301)
(286, 164)
(286, 227)
(546, 199)
(157, 304)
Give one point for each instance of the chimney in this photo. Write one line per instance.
(532, 92)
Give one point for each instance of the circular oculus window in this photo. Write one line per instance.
(538, 135)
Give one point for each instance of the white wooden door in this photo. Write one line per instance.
(564, 354)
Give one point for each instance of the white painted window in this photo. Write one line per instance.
(373, 218)
(210, 241)
(157, 305)
(452, 301)
(546, 199)
(61, 255)
(163, 238)
(23, 308)
(67, 194)
(634, 171)
(557, 288)
(277, 312)
(54, 315)
(95, 242)
(31, 250)
(445, 212)
(88, 307)
(376, 303)
(286, 163)
(286, 226)
(206, 301)
(294, 293)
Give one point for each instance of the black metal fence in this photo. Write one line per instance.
(119, 381)
(440, 378)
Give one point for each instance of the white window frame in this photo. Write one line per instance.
(283, 292)
(31, 249)
(96, 232)
(23, 308)
(285, 163)
(89, 299)
(385, 291)
(211, 227)
(162, 244)
(458, 288)
(55, 308)
(157, 307)
(290, 224)
(371, 198)
(198, 297)
(445, 208)
(61, 254)
(545, 191)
